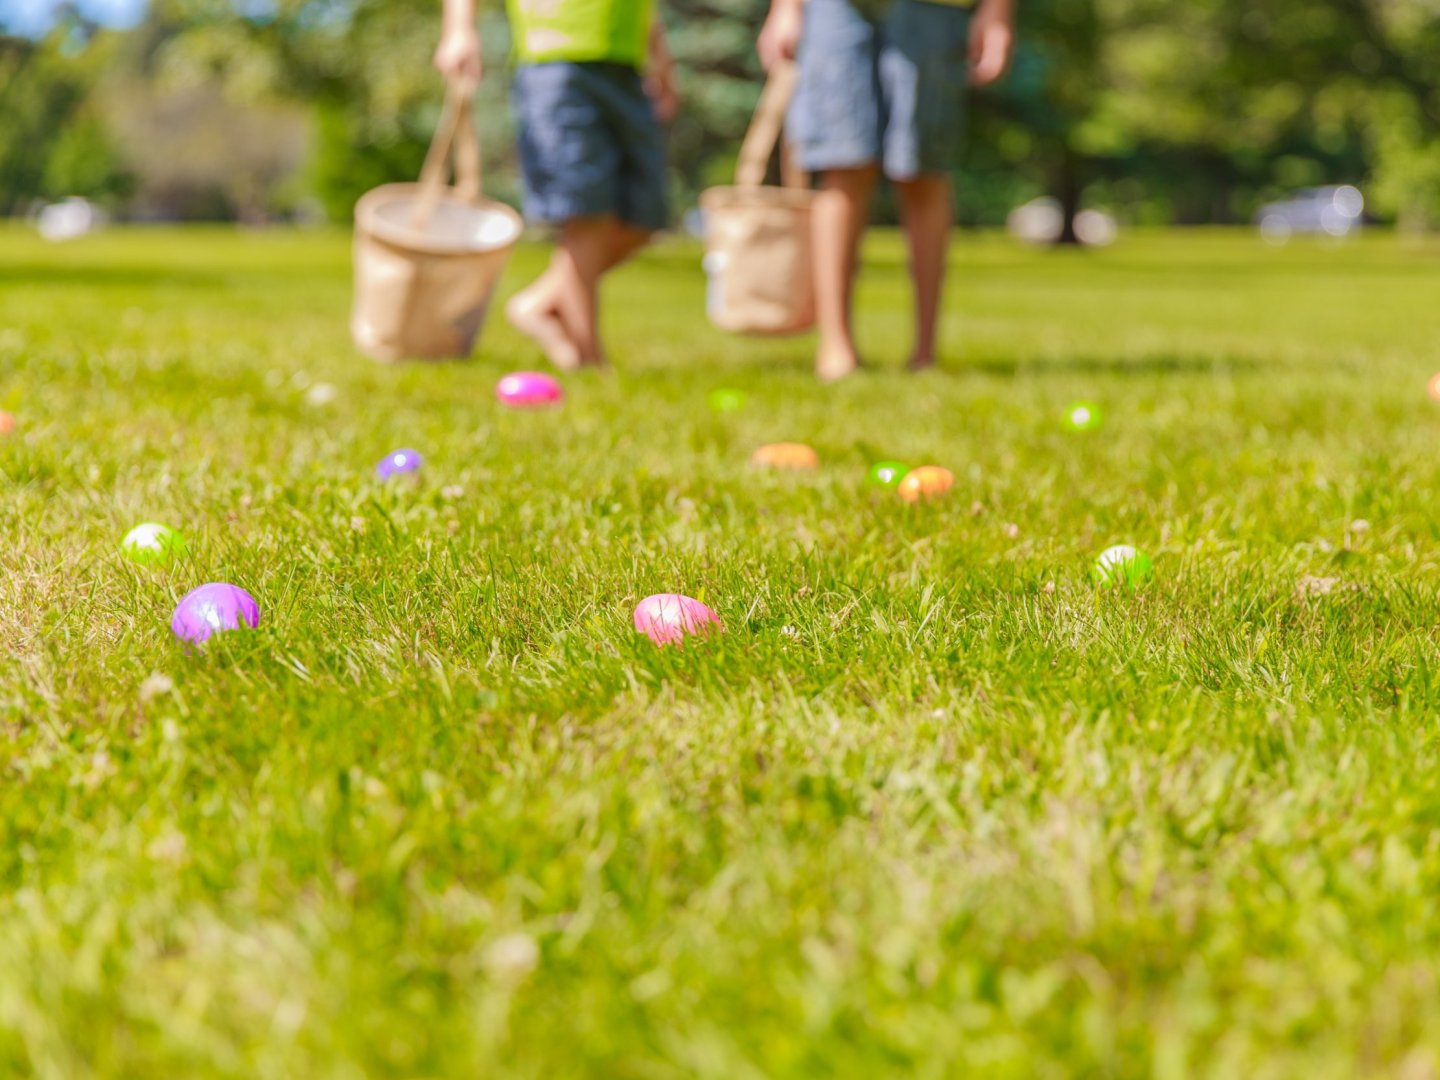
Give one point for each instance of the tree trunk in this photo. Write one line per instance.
(1067, 189)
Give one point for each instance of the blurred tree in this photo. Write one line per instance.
(362, 67)
(34, 89)
(51, 144)
(714, 45)
(83, 160)
(1406, 155)
(1199, 111)
(1223, 104)
(194, 153)
(1060, 76)
(1360, 72)
(1164, 110)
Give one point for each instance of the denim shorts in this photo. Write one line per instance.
(889, 88)
(589, 143)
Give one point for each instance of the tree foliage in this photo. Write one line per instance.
(50, 136)
(1163, 110)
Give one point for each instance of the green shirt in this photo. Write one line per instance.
(616, 31)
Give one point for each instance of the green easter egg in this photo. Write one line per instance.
(1084, 416)
(887, 474)
(727, 399)
(151, 543)
(1122, 565)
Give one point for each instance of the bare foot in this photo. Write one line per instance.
(542, 326)
(832, 365)
(921, 363)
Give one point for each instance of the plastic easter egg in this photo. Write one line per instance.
(726, 399)
(926, 482)
(1084, 416)
(7, 423)
(213, 609)
(1122, 565)
(887, 474)
(150, 543)
(1432, 388)
(785, 455)
(527, 389)
(398, 463)
(666, 618)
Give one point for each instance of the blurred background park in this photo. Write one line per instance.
(1154, 111)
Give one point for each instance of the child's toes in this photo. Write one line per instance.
(546, 331)
(834, 366)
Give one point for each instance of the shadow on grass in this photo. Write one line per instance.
(100, 277)
(791, 359)
(1153, 364)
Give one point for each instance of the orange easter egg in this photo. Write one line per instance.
(7, 423)
(1433, 387)
(926, 482)
(785, 455)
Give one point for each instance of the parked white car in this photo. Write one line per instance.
(1323, 211)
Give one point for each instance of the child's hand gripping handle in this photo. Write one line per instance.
(765, 131)
(455, 133)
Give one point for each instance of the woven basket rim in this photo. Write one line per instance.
(768, 195)
(368, 221)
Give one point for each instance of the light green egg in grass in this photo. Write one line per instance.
(887, 474)
(1122, 565)
(1084, 416)
(727, 399)
(151, 543)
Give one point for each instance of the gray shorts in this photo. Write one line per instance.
(889, 89)
(589, 143)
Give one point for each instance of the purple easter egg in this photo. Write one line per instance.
(666, 618)
(398, 463)
(211, 609)
(521, 389)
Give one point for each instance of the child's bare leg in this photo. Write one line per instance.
(533, 311)
(842, 209)
(590, 247)
(542, 310)
(925, 210)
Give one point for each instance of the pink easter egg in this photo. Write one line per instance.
(522, 389)
(666, 618)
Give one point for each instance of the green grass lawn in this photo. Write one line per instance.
(931, 806)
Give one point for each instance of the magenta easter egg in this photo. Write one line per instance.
(666, 618)
(524, 389)
(212, 609)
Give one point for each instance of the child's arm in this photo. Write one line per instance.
(458, 56)
(660, 82)
(780, 36)
(992, 39)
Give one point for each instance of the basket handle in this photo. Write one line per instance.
(766, 129)
(455, 133)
